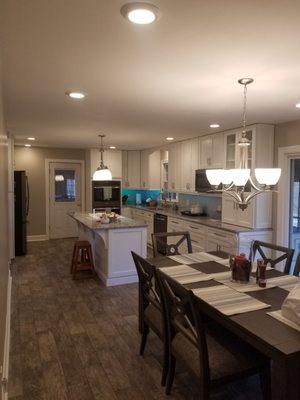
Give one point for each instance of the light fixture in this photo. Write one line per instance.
(140, 13)
(234, 181)
(298, 105)
(27, 145)
(112, 147)
(59, 178)
(102, 173)
(214, 126)
(169, 139)
(75, 95)
(31, 138)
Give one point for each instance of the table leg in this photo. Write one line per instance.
(285, 380)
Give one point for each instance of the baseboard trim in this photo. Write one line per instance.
(4, 393)
(37, 238)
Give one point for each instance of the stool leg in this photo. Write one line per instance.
(74, 270)
(90, 257)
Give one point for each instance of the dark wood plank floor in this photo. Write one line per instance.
(78, 340)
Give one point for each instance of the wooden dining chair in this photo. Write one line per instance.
(211, 354)
(150, 309)
(160, 242)
(296, 271)
(261, 247)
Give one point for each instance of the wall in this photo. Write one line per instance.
(286, 134)
(32, 160)
(4, 257)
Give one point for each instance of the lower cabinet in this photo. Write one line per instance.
(145, 217)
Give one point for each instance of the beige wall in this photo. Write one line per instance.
(32, 160)
(4, 258)
(286, 134)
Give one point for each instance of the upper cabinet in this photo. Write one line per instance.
(131, 169)
(111, 158)
(174, 167)
(150, 169)
(211, 151)
(189, 164)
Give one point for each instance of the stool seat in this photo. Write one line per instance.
(82, 260)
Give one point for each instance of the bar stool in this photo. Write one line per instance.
(82, 260)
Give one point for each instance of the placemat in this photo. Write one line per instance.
(277, 315)
(185, 274)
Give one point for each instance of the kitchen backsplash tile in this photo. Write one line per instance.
(145, 194)
(211, 205)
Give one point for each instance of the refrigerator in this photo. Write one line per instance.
(21, 211)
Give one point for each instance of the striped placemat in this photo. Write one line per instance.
(191, 258)
(287, 282)
(228, 300)
(185, 274)
(277, 315)
(251, 286)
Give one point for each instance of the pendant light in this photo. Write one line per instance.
(102, 173)
(234, 181)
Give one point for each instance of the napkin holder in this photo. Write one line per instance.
(240, 268)
(290, 308)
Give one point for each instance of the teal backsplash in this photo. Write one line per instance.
(210, 204)
(145, 194)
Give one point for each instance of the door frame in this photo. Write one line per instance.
(285, 155)
(47, 173)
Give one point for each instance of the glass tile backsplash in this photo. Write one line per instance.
(145, 194)
(211, 205)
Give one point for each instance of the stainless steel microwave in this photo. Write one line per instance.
(201, 182)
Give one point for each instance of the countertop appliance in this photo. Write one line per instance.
(21, 191)
(201, 181)
(160, 225)
(106, 196)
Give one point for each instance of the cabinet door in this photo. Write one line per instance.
(206, 152)
(113, 160)
(230, 149)
(218, 158)
(154, 165)
(241, 160)
(134, 168)
(145, 169)
(229, 210)
(174, 182)
(189, 163)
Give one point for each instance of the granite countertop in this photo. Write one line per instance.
(92, 223)
(206, 221)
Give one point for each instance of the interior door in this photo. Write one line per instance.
(294, 224)
(65, 197)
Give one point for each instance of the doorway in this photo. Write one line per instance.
(294, 217)
(65, 196)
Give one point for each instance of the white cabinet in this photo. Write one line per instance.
(211, 151)
(131, 164)
(111, 158)
(189, 163)
(218, 239)
(145, 217)
(174, 167)
(150, 169)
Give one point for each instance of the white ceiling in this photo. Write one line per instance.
(144, 83)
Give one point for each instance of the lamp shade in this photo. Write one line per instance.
(102, 175)
(214, 176)
(240, 176)
(267, 176)
(227, 177)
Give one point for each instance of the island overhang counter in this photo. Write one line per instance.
(112, 245)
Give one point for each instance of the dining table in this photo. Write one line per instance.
(209, 273)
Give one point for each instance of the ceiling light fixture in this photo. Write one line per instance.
(102, 173)
(214, 126)
(298, 105)
(27, 145)
(140, 13)
(75, 95)
(112, 147)
(169, 139)
(233, 181)
(31, 138)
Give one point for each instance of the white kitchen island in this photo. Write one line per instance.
(112, 245)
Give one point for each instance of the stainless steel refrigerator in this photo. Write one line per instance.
(21, 211)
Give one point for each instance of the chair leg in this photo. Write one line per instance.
(145, 332)
(165, 366)
(265, 384)
(171, 374)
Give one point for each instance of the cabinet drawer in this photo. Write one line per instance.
(222, 236)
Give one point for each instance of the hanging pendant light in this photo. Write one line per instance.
(234, 180)
(102, 173)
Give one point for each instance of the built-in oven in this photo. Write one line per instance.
(160, 226)
(106, 195)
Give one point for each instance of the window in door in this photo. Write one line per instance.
(65, 187)
(294, 231)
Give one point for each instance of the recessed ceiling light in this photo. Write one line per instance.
(214, 126)
(75, 95)
(31, 138)
(112, 147)
(140, 13)
(169, 139)
(27, 145)
(298, 105)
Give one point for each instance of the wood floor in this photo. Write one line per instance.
(79, 340)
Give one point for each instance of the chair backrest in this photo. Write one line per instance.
(296, 271)
(258, 246)
(181, 316)
(160, 241)
(148, 293)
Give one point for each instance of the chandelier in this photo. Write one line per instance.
(233, 182)
(102, 173)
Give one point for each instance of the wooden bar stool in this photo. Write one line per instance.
(82, 260)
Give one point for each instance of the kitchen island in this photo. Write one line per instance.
(112, 245)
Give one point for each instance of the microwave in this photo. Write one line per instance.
(201, 182)
(106, 194)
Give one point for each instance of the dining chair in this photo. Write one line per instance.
(213, 355)
(160, 242)
(150, 309)
(261, 247)
(296, 271)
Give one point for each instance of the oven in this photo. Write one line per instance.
(106, 195)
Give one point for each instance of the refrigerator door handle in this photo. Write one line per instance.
(27, 197)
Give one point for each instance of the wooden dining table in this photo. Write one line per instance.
(273, 338)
